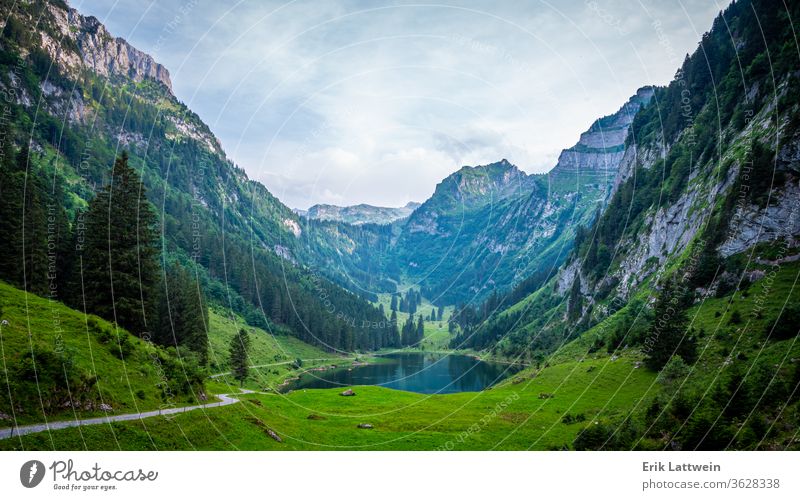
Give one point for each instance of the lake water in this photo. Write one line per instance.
(416, 372)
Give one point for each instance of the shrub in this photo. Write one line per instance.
(787, 324)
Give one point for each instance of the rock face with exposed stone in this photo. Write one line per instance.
(104, 54)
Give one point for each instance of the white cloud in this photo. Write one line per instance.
(348, 102)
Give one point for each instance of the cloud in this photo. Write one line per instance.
(348, 102)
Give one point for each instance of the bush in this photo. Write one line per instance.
(122, 346)
(787, 324)
(43, 379)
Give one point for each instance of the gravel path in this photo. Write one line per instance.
(6, 433)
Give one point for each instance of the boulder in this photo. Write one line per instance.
(364, 426)
(348, 392)
(274, 435)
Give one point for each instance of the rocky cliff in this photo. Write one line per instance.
(82, 41)
(359, 214)
(599, 151)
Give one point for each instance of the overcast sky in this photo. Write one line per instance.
(375, 102)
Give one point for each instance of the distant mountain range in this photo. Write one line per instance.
(484, 229)
(666, 240)
(359, 214)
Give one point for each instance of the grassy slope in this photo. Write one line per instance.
(271, 356)
(266, 348)
(595, 386)
(128, 386)
(402, 420)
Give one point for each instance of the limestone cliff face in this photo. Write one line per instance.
(97, 49)
(493, 225)
(601, 148)
(359, 214)
(670, 228)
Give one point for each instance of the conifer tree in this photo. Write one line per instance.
(183, 315)
(239, 349)
(668, 334)
(394, 331)
(120, 265)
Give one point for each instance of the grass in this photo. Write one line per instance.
(536, 409)
(265, 348)
(516, 415)
(273, 358)
(88, 344)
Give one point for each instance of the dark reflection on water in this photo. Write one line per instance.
(425, 373)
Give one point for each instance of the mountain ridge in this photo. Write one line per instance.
(359, 214)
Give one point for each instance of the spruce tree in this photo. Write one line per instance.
(183, 315)
(669, 334)
(393, 305)
(239, 349)
(120, 264)
(394, 331)
(11, 209)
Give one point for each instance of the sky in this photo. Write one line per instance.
(348, 102)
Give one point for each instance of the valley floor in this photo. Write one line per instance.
(525, 412)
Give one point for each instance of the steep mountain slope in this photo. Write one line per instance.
(691, 266)
(359, 214)
(58, 361)
(486, 228)
(79, 97)
(705, 198)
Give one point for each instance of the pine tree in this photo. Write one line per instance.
(394, 331)
(11, 210)
(420, 331)
(575, 301)
(441, 312)
(408, 332)
(393, 305)
(239, 349)
(120, 265)
(276, 312)
(183, 315)
(33, 225)
(668, 334)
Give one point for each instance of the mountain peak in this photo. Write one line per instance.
(599, 150)
(97, 49)
(481, 184)
(359, 214)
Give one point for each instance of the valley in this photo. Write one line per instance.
(642, 294)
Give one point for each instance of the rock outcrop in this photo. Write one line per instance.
(97, 49)
(600, 149)
(359, 214)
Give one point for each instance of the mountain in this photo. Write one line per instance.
(485, 228)
(76, 98)
(653, 270)
(706, 181)
(691, 267)
(359, 214)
